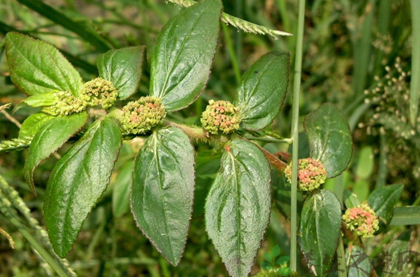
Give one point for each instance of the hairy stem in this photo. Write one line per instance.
(295, 134)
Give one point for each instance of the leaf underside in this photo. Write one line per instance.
(163, 190)
(238, 205)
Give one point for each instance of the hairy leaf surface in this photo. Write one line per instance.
(78, 181)
(184, 53)
(163, 190)
(238, 205)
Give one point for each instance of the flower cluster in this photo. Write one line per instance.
(99, 92)
(220, 116)
(311, 174)
(362, 220)
(142, 115)
(65, 104)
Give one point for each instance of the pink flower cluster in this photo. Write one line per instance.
(362, 220)
(311, 174)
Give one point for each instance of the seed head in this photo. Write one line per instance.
(362, 220)
(65, 104)
(99, 92)
(311, 174)
(142, 115)
(220, 116)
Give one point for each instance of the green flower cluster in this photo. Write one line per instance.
(220, 116)
(362, 220)
(99, 92)
(65, 104)
(140, 116)
(311, 174)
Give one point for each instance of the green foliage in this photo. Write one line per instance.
(320, 228)
(238, 206)
(51, 136)
(123, 68)
(163, 191)
(358, 262)
(329, 138)
(78, 181)
(382, 201)
(183, 55)
(37, 67)
(262, 90)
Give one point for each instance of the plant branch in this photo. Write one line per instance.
(238, 23)
(295, 134)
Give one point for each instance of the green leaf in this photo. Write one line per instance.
(365, 163)
(262, 90)
(121, 191)
(398, 258)
(40, 100)
(78, 181)
(238, 206)
(383, 200)
(32, 124)
(284, 271)
(320, 228)
(265, 265)
(283, 260)
(163, 190)
(275, 251)
(123, 68)
(50, 137)
(406, 216)
(282, 195)
(37, 67)
(358, 263)
(350, 199)
(329, 138)
(184, 53)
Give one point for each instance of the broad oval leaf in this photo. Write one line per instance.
(32, 124)
(163, 190)
(329, 138)
(123, 68)
(121, 190)
(262, 90)
(358, 263)
(38, 67)
(50, 137)
(383, 200)
(238, 206)
(78, 181)
(320, 229)
(184, 53)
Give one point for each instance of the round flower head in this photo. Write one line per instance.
(99, 92)
(362, 220)
(65, 104)
(142, 115)
(311, 174)
(220, 116)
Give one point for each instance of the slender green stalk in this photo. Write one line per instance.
(383, 170)
(12, 217)
(295, 134)
(232, 54)
(415, 62)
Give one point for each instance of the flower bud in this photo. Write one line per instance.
(142, 115)
(220, 116)
(362, 220)
(99, 92)
(311, 174)
(65, 104)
